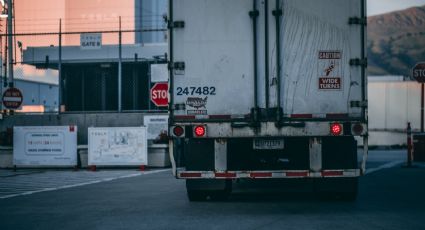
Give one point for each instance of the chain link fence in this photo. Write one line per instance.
(84, 71)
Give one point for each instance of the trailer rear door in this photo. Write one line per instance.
(302, 65)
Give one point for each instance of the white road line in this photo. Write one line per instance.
(385, 166)
(84, 183)
(369, 171)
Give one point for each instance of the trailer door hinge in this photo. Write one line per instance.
(357, 21)
(358, 62)
(181, 106)
(278, 12)
(358, 104)
(254, 13)
(178, 67)
(176, 24)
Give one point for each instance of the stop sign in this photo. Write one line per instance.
(159, 94)
(12, 98)
(419, 72)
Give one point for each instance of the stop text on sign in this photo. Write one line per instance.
(329, 83)
(419, 72)
(159, 94)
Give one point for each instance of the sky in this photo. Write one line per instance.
(383, 6)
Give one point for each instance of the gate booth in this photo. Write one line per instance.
(93, 87)
(89, 78)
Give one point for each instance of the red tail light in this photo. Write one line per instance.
(200, 131)
(336, 129)
(178, 131)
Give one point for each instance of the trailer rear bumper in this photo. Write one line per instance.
(285, 174)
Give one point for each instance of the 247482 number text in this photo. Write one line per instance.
(191, 91)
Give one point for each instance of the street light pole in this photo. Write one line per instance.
(120, 67)
(10, 40)
(422, 107)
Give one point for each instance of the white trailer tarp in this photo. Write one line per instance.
(316, 45)
(117, 146)
(45, 146)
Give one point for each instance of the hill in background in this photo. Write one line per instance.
(396, 41)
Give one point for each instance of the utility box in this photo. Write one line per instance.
(419, 147)
(158, 156)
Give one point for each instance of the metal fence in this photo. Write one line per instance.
(84, 71)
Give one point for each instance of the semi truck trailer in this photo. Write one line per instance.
(267, 89)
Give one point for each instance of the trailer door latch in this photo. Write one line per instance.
(176, 24)
(178, 67)
(359, 62)
(357, 21)
(358, 104)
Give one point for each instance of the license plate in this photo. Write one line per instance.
(269, 144)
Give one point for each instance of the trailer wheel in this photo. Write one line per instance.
(351, 194)
(345, 189)
(196, 195)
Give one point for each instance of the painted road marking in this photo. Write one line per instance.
(101, 180)
(61, 187)
(382, 167)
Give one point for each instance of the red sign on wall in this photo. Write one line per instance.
(159, 94)
(330, 83)
(12, 98)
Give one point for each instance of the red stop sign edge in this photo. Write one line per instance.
(9, 104)
(421, 66)
(159, 85)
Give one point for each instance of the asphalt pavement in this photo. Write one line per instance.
(390, 197)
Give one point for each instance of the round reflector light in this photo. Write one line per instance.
(200, 131)
(358, 129)
(178, 131)
(336, 129)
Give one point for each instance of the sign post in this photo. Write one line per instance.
(419, 75)
(159, 94)
(12, 98)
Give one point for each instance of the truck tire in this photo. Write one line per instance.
(196, 195)
(351, 194)
(345, 189)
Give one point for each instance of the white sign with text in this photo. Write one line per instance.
(156, 125)
(45, 146)
(90, 41)
(117, 146)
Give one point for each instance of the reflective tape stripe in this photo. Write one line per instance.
(297, 174)
(337, 115)
(184, 117)
(261, 174)
(303, 116)
(190, 175)
(225, 175)
(220, 117)
(332, 173)
(267, 174)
